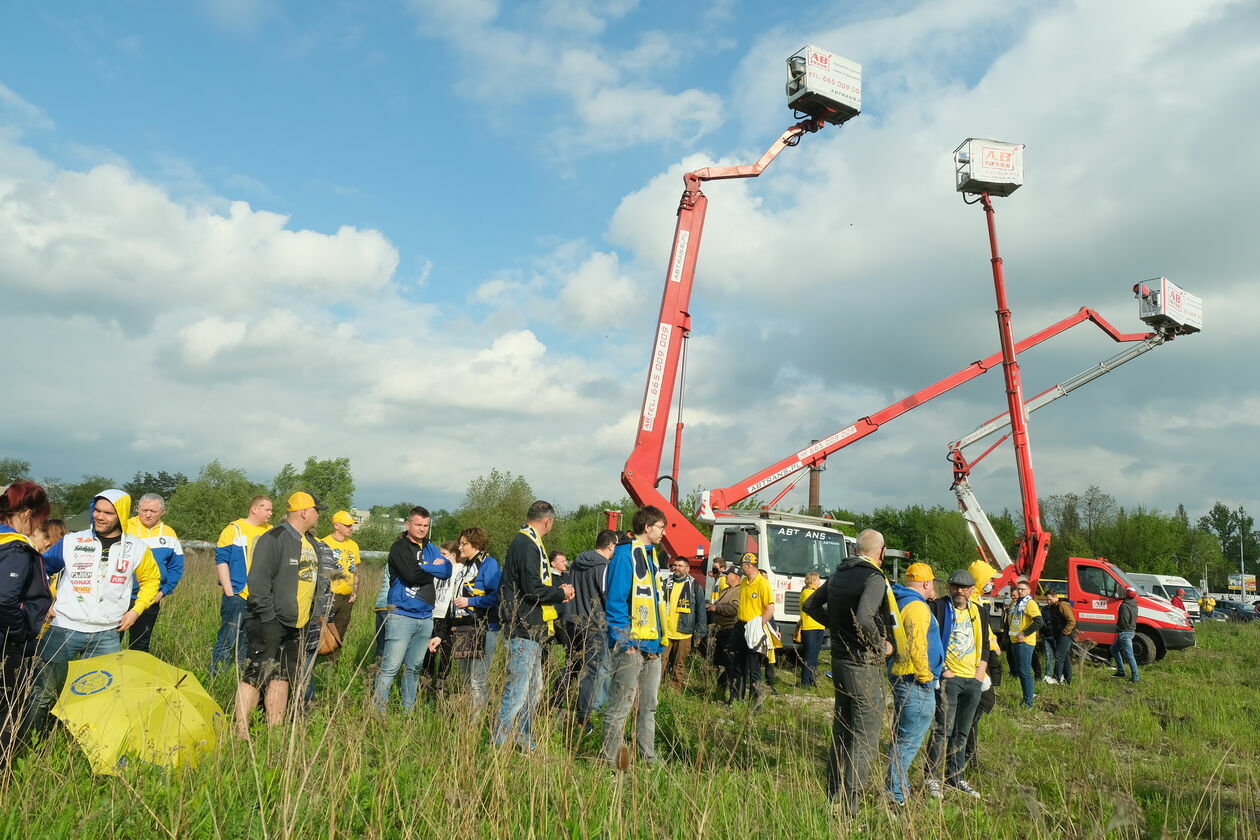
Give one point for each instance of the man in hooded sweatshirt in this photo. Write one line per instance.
(914, 676)
(590, 625)
(94, 602)
(1126, 629)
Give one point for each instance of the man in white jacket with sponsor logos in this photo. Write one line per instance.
(94, 603)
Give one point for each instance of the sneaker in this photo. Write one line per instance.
(1120, 674)
(1050, 680)
(933, 788)
(962, 787)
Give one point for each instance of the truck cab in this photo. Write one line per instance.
(1166, 586)
(1095, 589)
(788, 547)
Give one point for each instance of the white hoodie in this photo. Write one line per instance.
(94, 590)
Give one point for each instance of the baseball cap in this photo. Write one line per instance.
(302, 500)
(919, 572)
(734, 570)
(961, 577)
(749, 558)
(342, 517)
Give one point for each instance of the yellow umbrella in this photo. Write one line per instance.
(130, 706)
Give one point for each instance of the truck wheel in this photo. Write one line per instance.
(1145, 649)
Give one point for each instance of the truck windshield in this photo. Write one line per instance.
(797, 551)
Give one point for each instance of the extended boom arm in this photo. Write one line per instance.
(727, 497)
(673, 327)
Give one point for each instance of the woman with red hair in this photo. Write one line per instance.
(24, 598)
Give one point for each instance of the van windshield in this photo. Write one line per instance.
(797, 551)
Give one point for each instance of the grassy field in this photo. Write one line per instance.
(1174, 756)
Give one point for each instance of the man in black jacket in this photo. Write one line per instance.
(528, 600)
(590, 626)
(288, 589)
(855, 606)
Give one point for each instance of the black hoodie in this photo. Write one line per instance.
(590, 570)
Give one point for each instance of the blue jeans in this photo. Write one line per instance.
(1023, 665)
(592, 647)
(1063, 659)
(1122, 652)
(478, 670)
(57, 650)
(914, 708)
(232, 636)
(521, 693)
(406, 643)
(811, 642)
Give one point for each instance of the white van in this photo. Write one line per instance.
(1166, 586)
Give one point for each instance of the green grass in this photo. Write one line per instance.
(1174, 756)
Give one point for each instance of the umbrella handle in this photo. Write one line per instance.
(181, 679)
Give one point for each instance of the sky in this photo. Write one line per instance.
(431, 236)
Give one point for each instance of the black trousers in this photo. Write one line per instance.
(141, 633)
(727, 660)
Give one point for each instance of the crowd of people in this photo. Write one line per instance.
(626, 616)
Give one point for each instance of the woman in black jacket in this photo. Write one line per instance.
(24, 598)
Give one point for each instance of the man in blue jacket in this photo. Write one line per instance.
(414, 563)
(636, 638)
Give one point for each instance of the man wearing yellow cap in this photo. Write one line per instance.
(345, 588)
(288, 588)
(915, 673)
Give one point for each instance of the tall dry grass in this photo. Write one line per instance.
(1174, 756)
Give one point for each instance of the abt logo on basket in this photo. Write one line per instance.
(820, 60)
(999, 158)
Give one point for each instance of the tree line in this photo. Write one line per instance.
(1088, 524)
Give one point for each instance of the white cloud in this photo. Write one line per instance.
(611, 102)
(240, 16)
(17, 110)
(190, 334)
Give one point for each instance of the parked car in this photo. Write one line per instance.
(1235, 611)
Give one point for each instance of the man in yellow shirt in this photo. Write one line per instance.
(345, 590)
(810, 633)
(232, 557)
(1023, 620)
(965, 637)
(756, 603)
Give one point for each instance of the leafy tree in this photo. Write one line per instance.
(330, 481)
(71, 499)
(497, 503)
(12, 469)
(394, 511)
(1096, 511)
(1219, 521)
(201, 509)
(378, 534)
(164, 484)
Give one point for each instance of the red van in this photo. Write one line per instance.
(1095, 590)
